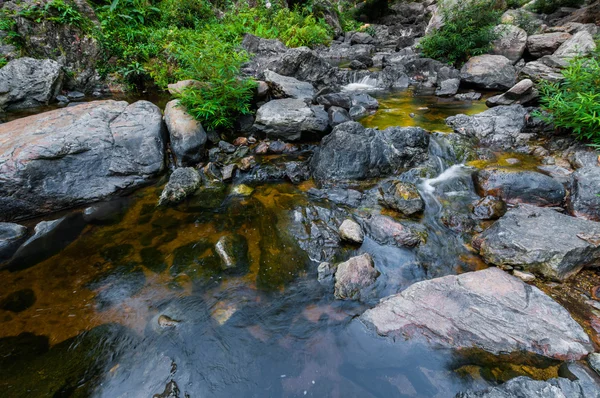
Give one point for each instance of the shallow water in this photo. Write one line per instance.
(87, 321)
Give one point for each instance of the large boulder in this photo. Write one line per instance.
(521, 93)
(77, 155)
(291, 119)
(28, 83)
(352, 152)
(289, 87)
(489, 72)
(540, 70)
(542, 241)
(520, 186)
(511, 42)
(11, 236)
(304, 64)
(187, 135)
(582, 43)
(489, 310)
(584, 200)
(354, 276)
(502, 127)
(546, 43)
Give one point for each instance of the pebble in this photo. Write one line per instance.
(524, 276)
(167, 322)
(351, 231)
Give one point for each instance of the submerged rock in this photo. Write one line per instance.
(28, 83)
(233, 251)
(354, 276)
(402, 196)
(326, 272)
(18, 301)
(187, 135)
(352, 152)
(489, 310)
(541, 241)
(489, 208)
(489, 72)
(351, 231)
(11, 236)
(182, 183)
(77, 155)
(291, 119)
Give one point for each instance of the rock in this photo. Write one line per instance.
(305, 65)
(227, 172)
(353, 277)
(489, 72)
(341, 100)
(427, 72)
(227, 147)
(520, 186)
(354, 152)
(594, 361)
(403, 197)
(500, 127)
(489, 310)
(338, 116)
(233, 251)
(326, 272)
(365, 100)
(76, 155)
(11, 236)
(28, 83)
(49, 238)
(183, 182)
(291, 119)
(541, 241)
(357, 65)
(358, 112)
(75, 95)
(165, 321)
(289, 87)
(350, 231)
(179, 87)
(524, 387)
(584, 201)
(257, 45)
(187, 135)
(581, 44)
(361, 38)
(471, 96)
(537, 71)
(521, 93)
(489, 208)
(448, 87)
(387, 231)
(524, 276)
(546, 44)
(511, 42)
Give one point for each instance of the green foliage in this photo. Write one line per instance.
(512, 4)
(64, 13)
(549, 6)
(8, 26)
(574, 103)
(468, 31)
(185, 13)
(527, 22)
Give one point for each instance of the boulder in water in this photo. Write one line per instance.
(402, 196)
(354, 277)
(521, 93)
(11, 236)
(387, 231)
(489, 72)
(488, 310)
(233, 251)
(351, 231)
(291, 119)
(182, 183)
(338, 115)
(187, 135)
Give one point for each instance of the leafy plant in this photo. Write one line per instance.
(63, 12)
(549, 6)
(574, 103)
(468, 31)
(524, 20)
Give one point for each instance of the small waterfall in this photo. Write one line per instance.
(364, 83)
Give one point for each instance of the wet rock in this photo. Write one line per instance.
(358, 112)
(289, 87)
(106, 213)
(500, 127)
(326, 272)
(388, 231)
(247, 163)
(77, 155)
(297, 172)
(350, 231)
(291, 119)
(233, 251)
(18, 301)
(511, 42)
(427, 72)
(11, 237)
(365, 100)
(354, 277)
(118, 285)
(546, 44)
(448, 87)
(179, 87)
(521, 93)
(49, 238)
(187, 135)
(227, 147)
(338, 116)
(471, 311)
(316, 231)
(584, 201)
(354, 152)
(346, 197)
(489, 208)
(28, 83)
(581, 44)
(357, 65)
(541, 241)
(402, 196)
(227, 172)
(153, 259)
(520, 186)
(471, 96)
(489, 72)
(182, 183)
(341, 100)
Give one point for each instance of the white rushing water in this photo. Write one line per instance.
(365, 83)
(450, 173)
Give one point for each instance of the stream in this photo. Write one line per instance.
(136, 304)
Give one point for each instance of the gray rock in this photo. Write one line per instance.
(387, 231)
(471, 96)
(354, 152)
(291, 119)
(524, 276)
(233, 251)
(511, 42)
(546, 44)
(304, 64)
(358, 112)
(365, 100)
(537, 71)
(341, 100)
(542, 241)
(354, 277)
(429, 72)
(28, 83)
(520, 186)
(501, 127)
(183, 182)
(403, 197)
(187, 135)
(77, 155)
(75, 95)
(584, 201)
(258, 45)
(357, 65)
(361, 38)
(179, 87)
(326, 272)
(489, 72)
(489, 310)
(489, 208)
(338, 115)
(11, 236)
(594, 361)
(521, 93)
(350, 231)
(524, 387)
(448, 87)
(289, 87)
(581, 44)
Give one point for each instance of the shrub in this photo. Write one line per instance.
(574, 103)
(468, 30)
(549, 6)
